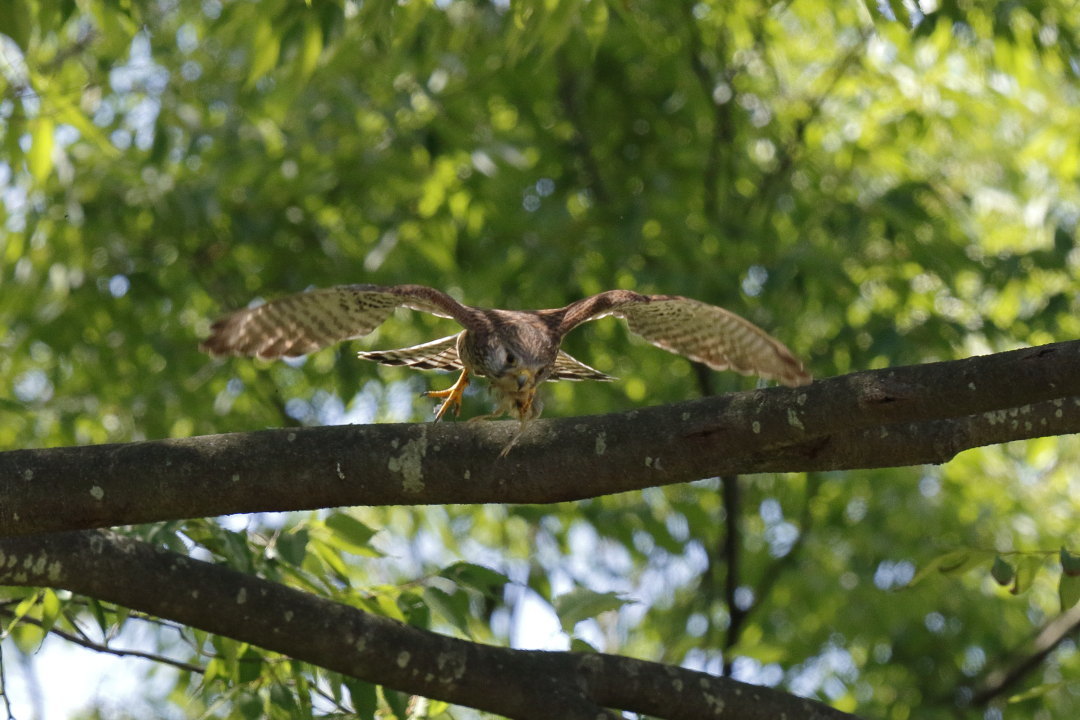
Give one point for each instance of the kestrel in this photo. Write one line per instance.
(515, 350)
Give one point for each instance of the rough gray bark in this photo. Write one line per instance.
(900, 416)
(520, 684)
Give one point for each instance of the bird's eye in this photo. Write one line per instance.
(510, 359)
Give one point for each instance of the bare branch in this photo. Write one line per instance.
(999, 681)
(82, 641)
(573, 686)
(895, 417)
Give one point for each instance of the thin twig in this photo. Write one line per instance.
(3, 687)
(1052, 634)
(99, 647)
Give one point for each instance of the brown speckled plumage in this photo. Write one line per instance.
(515, 349)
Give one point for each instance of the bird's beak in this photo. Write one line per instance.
(524, 378)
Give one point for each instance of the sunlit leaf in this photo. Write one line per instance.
(40, 157)
(582, 604)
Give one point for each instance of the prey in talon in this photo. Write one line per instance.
(515, 350)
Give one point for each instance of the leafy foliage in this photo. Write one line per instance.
(875, 186)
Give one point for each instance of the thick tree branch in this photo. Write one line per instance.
(900, 416)
(516, 683)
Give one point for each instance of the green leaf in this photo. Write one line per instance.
(350, 534)
(16, 22)
(50, 609)
(594, 19)
(28, 638)
(27, 604)
(1068, 591)
(363, 697)
(99, 614)
(414, 609)
(1002, 572)
(251, 705)
(40, 158)
(952, 562)
(292, 546)
(581, 604)
(452, 608)
(311, 50)
(579, 645)
(265, 47)
(1025, 573)
(476, 577)
(284, 698)
(250, 665)
(398, 702)
(1070, 564)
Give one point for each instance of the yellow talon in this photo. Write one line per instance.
(451, 394)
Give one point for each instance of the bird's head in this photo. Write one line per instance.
(516, 358)
(515, 374)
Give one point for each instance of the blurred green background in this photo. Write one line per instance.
(874, 184)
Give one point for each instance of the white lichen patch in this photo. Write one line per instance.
(793, 419)
(801, 399)
(55, 568)
(340, 474)
(756, 427)
(410, 463)
(971, 386)
(403, 659)
(653, 463)
(37, 565)
(97, 492)
(451, 666)
(235, 477)
(717, 704)
(884, 432)
(288, 615)
(360, 644)
(601, 443)
(28, 474)
(685, 416)
(241, 597)
(194, 594)
(581, 427)
(468, 474)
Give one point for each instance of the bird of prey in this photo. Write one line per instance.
(515, 350)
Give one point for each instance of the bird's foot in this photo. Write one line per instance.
(513, 440)
(451, 396)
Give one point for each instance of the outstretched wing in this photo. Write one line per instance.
(702, 332)
(569, 368)
(438, 354)
(302, 323)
